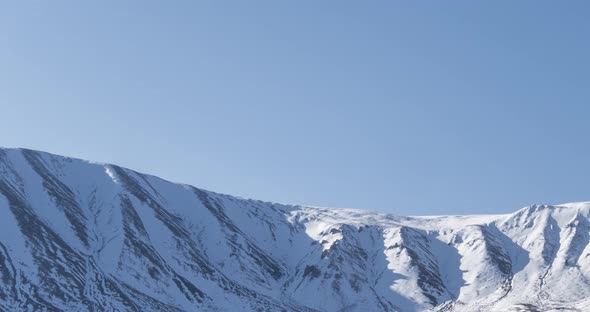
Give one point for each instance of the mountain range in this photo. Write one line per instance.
(84, 236)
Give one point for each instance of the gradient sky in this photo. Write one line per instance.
(408, 107)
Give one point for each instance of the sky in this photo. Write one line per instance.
(405, 107)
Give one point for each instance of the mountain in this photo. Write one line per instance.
(83, 236)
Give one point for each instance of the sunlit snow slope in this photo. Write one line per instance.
(81, 236)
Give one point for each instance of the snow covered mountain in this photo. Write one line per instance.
(82, 236)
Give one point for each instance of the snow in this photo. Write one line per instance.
(169, 246)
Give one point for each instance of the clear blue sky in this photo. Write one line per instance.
(409, 107)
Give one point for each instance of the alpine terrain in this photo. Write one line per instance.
(83, 236)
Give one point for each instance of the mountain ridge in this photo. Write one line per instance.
(364, 210)
(86, 236)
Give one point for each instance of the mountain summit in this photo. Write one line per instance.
(82, 236)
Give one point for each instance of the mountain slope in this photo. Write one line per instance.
(81, 236)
